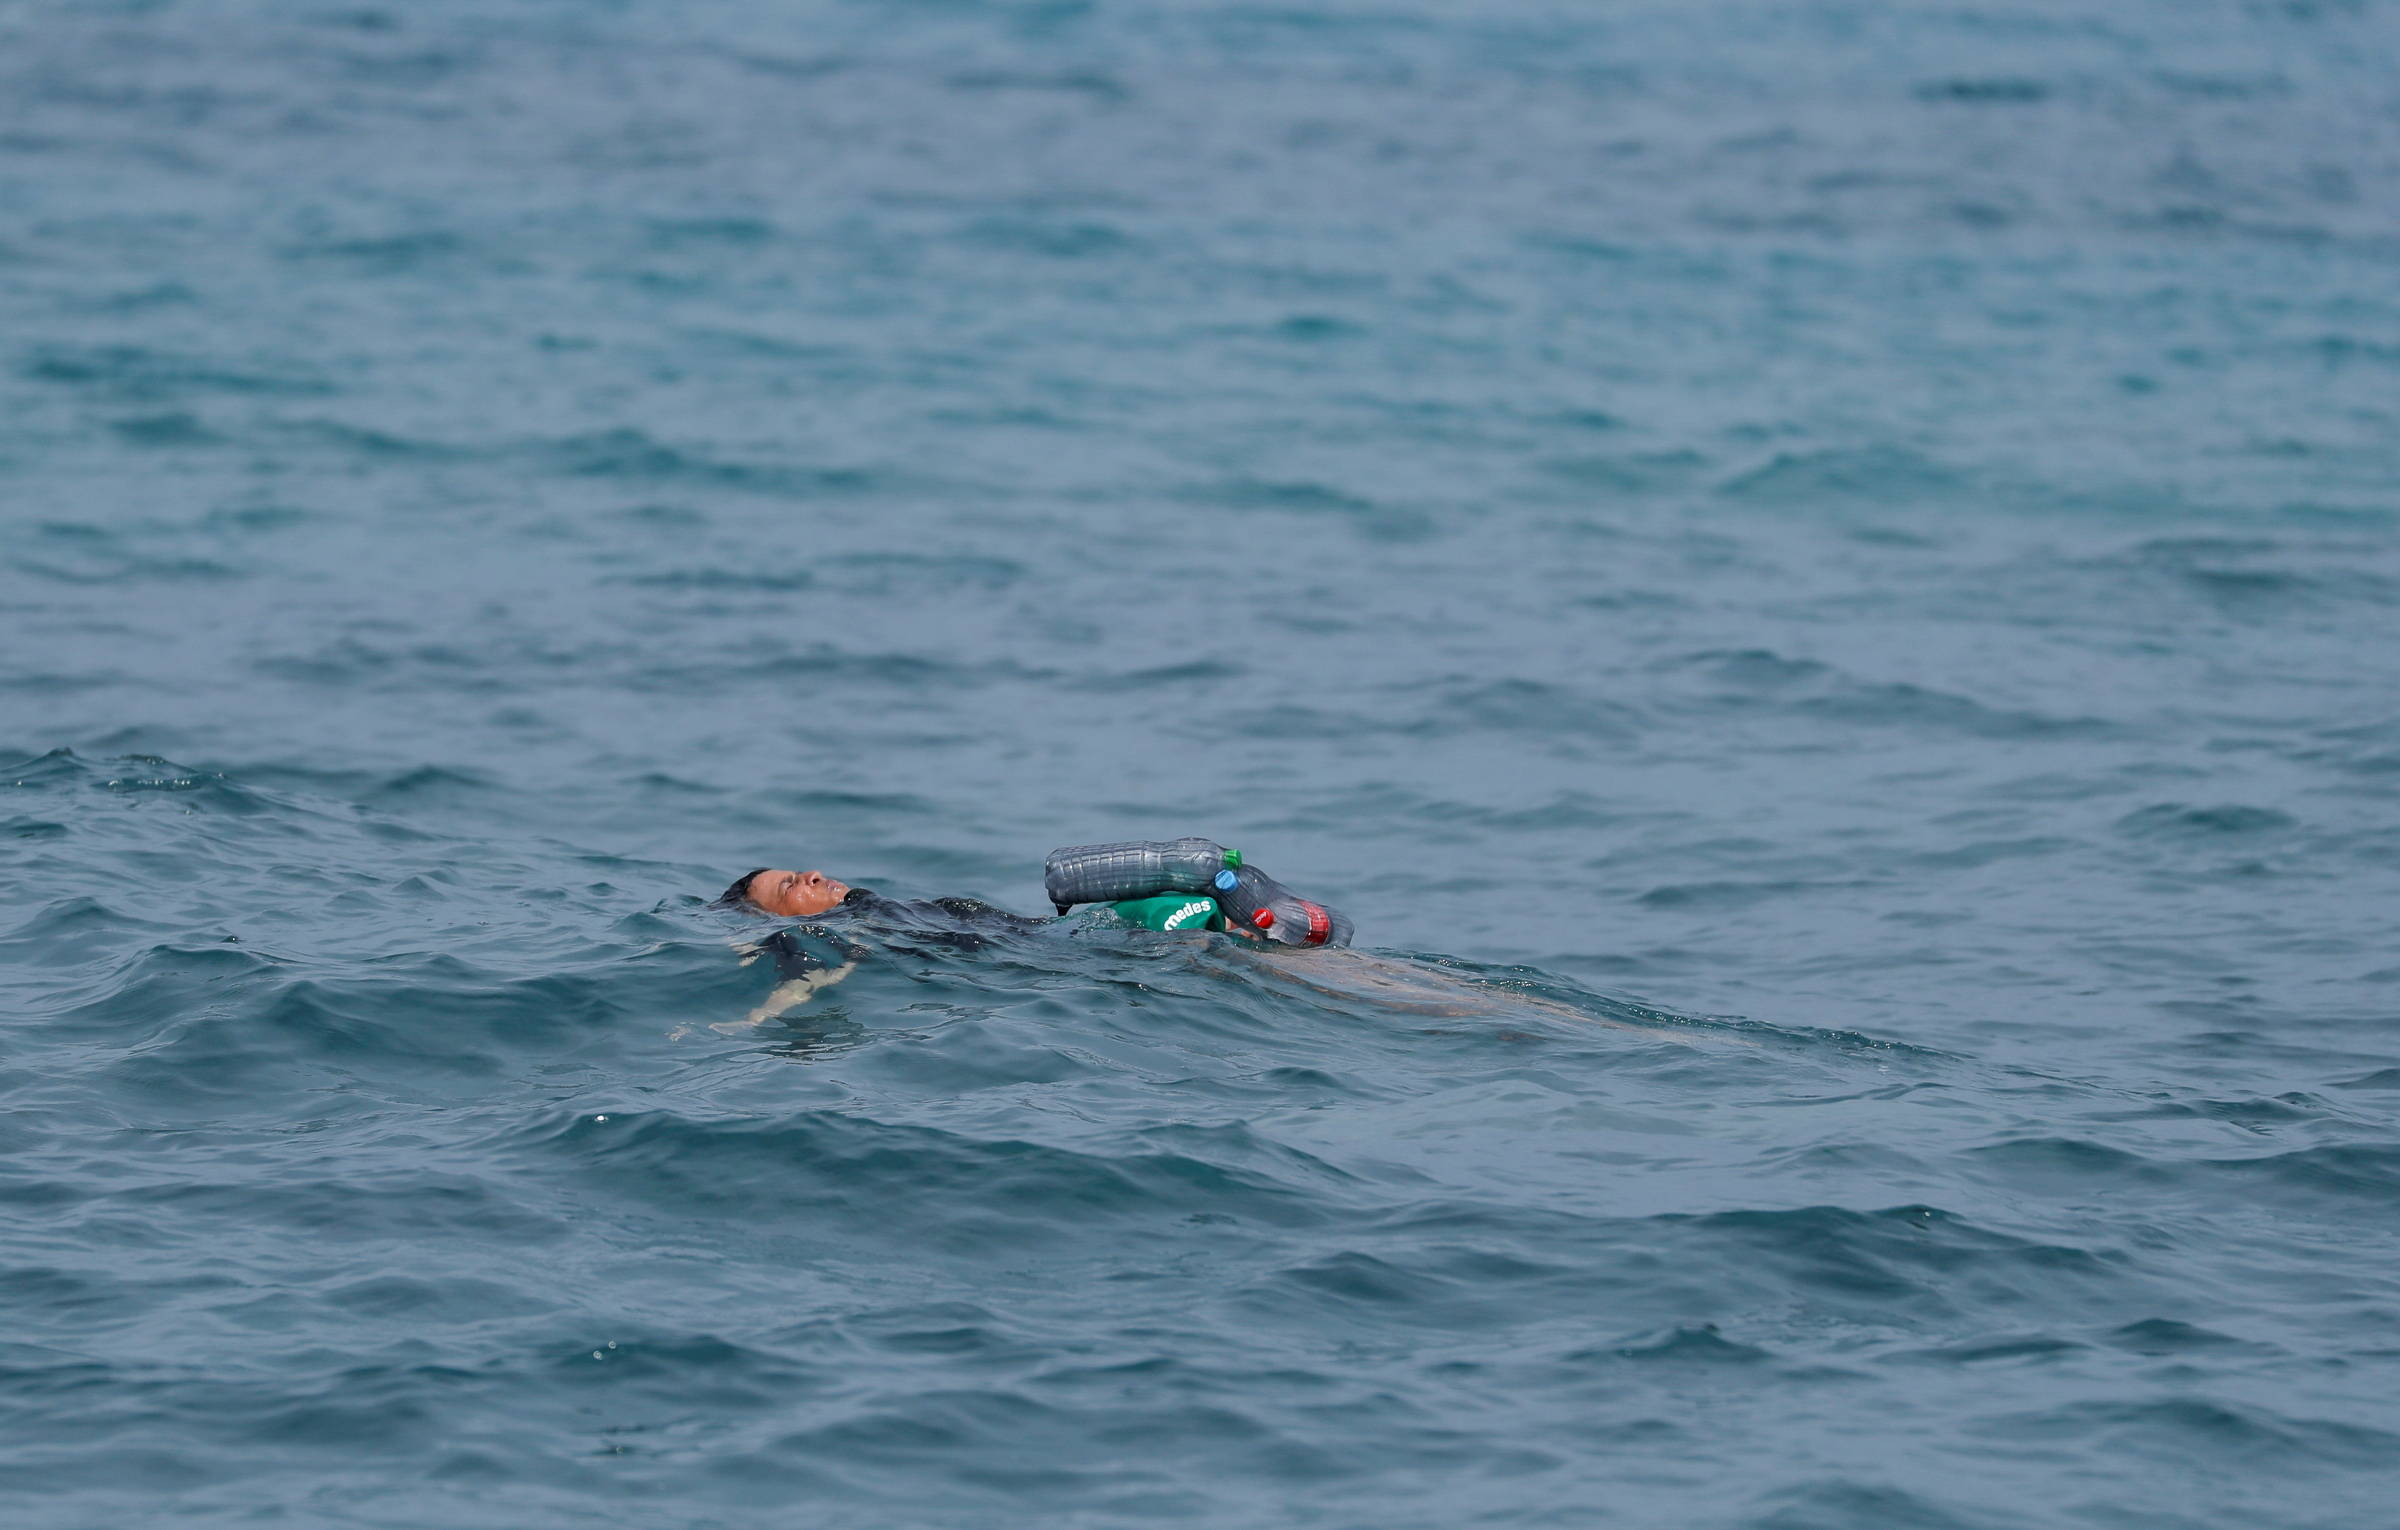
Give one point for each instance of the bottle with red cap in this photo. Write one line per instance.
(1254, 900)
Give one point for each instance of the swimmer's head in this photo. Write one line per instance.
(795, 894)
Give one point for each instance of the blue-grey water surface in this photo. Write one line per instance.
(1824, 577)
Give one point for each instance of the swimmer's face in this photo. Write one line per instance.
(796, 894)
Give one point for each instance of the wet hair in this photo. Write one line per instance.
(739, 893)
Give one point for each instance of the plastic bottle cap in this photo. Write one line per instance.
(1233, 857)
(1264, 919)
(1227, 881)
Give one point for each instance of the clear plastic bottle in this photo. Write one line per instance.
(1134, 869)
(1255, 901)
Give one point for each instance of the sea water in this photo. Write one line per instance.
(1822, 580)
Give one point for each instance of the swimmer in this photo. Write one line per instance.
(811, 958)
(807, 894)
(1401, 986)
(957, 922)
(801, 972)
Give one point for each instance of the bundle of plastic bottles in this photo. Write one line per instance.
(1251, 899)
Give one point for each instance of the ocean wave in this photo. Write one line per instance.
(1816, 580)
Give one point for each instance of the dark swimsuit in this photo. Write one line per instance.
(907, 925)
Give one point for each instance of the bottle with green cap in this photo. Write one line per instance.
(1135, 869)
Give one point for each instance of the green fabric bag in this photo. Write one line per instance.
(1176, 911)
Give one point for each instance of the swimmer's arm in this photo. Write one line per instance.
(789, 996)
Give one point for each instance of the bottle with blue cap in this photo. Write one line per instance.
(1254, 901)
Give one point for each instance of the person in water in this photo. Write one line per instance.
(807, 894)
(969, 923)
(815, 956)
